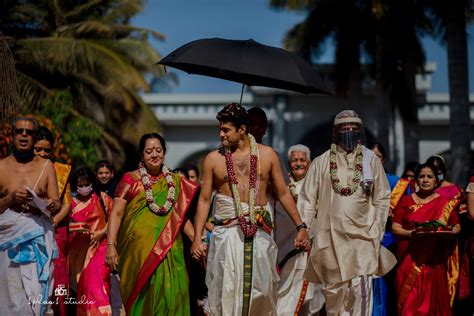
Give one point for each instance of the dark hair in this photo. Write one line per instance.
(103, 163)
(257, 112)
(144, 138)
(191, 167)
(411, 166)
(181, 171)
(82, 172)
(45, 134)
(380, 148)
(438, 161)
(426, 165)
(234, 113)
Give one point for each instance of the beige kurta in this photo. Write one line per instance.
(348, 229)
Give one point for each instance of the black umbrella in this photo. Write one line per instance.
(247, 62)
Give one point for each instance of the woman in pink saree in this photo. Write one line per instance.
(89, 275)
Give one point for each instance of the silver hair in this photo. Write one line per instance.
(28, 119)
(299, 147)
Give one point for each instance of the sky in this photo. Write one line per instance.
(182, 21)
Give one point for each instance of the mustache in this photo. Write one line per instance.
(298, 167)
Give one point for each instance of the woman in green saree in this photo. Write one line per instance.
(144, 240)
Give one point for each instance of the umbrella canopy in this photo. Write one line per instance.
(247, 62)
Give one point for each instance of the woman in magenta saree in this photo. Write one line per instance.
(426, 224)
(89, 274)
(150, 208)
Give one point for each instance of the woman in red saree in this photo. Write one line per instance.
(89, 274)
(150, 209)
(426, 224)
(43, 148)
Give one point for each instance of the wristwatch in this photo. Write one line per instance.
(300, 226)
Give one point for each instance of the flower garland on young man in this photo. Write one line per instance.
(249, 228)
(158, 210)
(352, 187)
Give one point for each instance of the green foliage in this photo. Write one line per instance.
(77, 135)
(89, 49)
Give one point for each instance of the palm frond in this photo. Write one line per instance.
(142, 121)
(85, 29)
(125, 29)
(81, 10)
(125, 9)
(139, 53)
(292, 4)
(31, 91)
(57, 12)
(68, 56)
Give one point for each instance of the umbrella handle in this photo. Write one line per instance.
(242, 93)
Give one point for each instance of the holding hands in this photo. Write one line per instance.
(302, 239)
(198, 250)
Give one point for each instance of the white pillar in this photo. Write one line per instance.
(279, 139)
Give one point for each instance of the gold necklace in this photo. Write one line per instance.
(420, 200)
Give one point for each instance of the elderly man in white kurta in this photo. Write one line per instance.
(295, 294)
(347, 191)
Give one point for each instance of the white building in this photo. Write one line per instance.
(191, 130)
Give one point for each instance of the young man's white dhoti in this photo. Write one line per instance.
(241, 275)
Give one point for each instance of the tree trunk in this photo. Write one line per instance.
(382, 86)
(459, 130)
(410, 112)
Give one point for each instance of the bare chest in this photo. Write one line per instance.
(16, 176)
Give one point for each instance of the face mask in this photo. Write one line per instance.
(349, 139)
(85, 191)
(440, 177)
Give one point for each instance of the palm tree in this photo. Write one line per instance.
(325, 21)
(451, 20)
(388, 33)
(89, 48)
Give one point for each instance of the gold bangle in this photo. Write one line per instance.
(110, 243)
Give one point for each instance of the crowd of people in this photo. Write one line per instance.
(337, 235)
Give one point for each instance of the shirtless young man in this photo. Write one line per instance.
(26, 234)
(241, 274)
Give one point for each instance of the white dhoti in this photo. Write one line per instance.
(294, 292)
(241, 276)
(27, 250)
(353, 297)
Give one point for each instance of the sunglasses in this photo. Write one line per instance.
(40, 149)
(20, 131)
